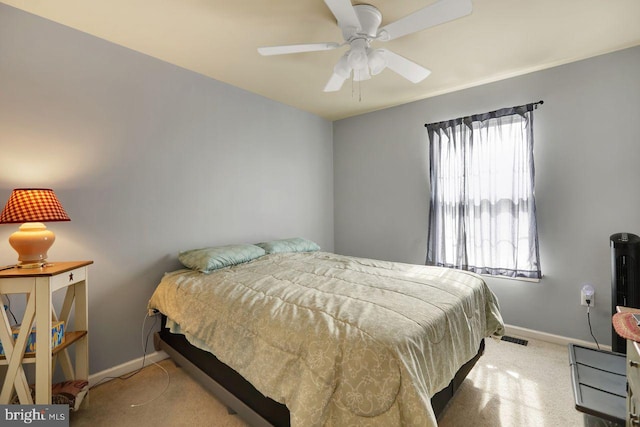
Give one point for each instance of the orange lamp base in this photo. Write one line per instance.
(32, 241)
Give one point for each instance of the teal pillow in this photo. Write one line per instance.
(207, 260)
(295, 244)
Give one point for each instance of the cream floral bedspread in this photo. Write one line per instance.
(341, 341)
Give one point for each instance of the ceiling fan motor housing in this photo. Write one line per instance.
(370, 19)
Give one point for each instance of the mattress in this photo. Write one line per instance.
(339, 340)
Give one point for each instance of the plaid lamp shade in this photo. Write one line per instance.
(33, 205)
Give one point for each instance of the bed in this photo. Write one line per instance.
(311, 338)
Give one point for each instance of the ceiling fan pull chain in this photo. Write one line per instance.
(353, 85)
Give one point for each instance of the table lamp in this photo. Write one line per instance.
(32, 207)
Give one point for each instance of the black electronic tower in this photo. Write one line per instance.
(625, 279)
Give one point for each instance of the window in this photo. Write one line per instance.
(482, 205)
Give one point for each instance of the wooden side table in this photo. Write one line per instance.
(39, 284)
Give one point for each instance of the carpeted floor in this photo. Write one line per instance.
(512, 385)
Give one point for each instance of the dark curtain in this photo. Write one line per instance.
(482, 207)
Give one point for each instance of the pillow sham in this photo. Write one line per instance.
(295, 244)
(207, 260)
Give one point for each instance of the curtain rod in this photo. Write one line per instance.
(532, 104)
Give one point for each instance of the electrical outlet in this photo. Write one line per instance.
(587, 292)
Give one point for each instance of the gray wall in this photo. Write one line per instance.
(148, 159)
(587, 154)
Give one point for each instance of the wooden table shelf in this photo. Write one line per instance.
(69, 338)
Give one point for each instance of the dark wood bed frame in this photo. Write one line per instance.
(242, 398)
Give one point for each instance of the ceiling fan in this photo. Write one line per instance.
(360, 26)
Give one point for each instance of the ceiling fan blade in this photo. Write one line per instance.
(438, 13)
(408, 69)
(344, 13)
(335, 83)
(296, 48)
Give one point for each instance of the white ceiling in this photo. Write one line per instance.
(218, 38)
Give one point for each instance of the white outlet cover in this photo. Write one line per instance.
(587, 291)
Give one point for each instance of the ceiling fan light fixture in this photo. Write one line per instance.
(342, 68)
(357, 55)
(377, 61)
(357, 59)
(361, 74)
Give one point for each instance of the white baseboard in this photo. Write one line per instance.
(126, 367)
(551, 338)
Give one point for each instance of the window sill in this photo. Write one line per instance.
(520, 279)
